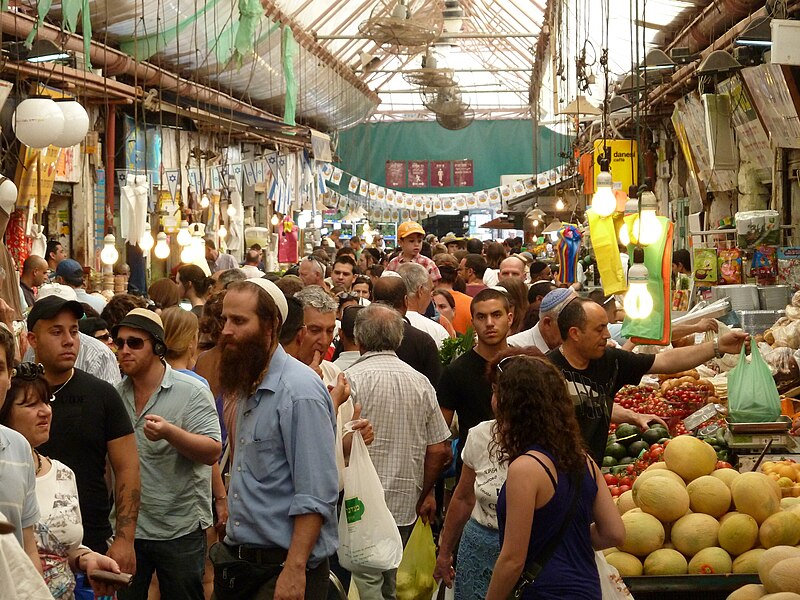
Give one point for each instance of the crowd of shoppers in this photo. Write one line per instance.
(189, 439)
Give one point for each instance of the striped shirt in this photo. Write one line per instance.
(401, 405)
(18, 490)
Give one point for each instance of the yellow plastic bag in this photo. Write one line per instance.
(415, 573)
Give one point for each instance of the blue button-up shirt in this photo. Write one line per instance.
(284, 464)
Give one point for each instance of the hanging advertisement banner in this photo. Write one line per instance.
(417, 173)
(395, 173)
(624, 162)
(463, 173)
(440, 173)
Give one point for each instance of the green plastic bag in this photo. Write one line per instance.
(415, 573)
(752, 394)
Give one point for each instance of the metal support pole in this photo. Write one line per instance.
(445, 36)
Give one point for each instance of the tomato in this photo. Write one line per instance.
(629, 469)
(610, 479)
(623, 488)
(625, 481)
(614, 490)
(657, 453)
(721, 464)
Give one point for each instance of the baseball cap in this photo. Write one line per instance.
(449, 239)
(56, 289)
(70, 271)
(555, 301)
(275, 293)
(144, 319)
(407, 228)
(49, 306)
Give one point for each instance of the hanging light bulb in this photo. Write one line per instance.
(204, 201)
(146, 243)
(222, 232)
(535, 223)
(604, 203)
(197, 245)
(231, 210)
(109, 254)
(559, 204)
(184, 235)
(187, 254)
(317, 221)
(162, 247)
(647, 227)
(274, 220)
(638, 301)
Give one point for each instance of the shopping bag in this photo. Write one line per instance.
(752, 394)
(611, 584)
(415, 573)
(368, 536)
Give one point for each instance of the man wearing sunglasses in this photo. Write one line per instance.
(89, 424)
(178, 434)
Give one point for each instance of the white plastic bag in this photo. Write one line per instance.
(611, 583)
(368, 536)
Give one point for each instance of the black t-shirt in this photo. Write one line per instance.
(465, 389)
(593, 390)
(87, 414)
(418, 351)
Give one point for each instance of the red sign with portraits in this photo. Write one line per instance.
(395, 174)
(417, 173)
(440, 173)
(463, 174)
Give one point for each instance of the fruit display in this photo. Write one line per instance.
(693, 514)
(786, 473)
(777, 569)
(629, 452)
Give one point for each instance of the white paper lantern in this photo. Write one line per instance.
(76, 123)
(38, 121)
(8, 194)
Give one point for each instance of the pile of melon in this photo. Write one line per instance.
(683, 516)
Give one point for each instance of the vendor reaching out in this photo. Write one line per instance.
(595, 372)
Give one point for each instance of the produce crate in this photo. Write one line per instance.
(687, 587)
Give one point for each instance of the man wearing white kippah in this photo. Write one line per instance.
(544, 335)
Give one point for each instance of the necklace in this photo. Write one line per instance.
(38, 461)
(61, 387)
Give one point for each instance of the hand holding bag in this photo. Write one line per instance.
(415, 573)
(368, 536)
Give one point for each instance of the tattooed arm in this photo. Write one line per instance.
(125, 462)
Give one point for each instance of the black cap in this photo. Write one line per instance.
(49, 307)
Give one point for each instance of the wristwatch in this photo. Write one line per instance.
(717, 353)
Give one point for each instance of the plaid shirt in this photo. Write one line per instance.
(426, 262)
(401, 404)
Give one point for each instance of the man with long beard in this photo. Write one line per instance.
(284, 485)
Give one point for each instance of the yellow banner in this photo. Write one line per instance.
(624, 162)
(30, 183)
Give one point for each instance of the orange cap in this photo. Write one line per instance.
(407, 228)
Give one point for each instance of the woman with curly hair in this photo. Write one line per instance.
(551, 483)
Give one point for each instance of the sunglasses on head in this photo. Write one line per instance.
(134, 343)
(345, 296)
(28, 371)
(505, 362)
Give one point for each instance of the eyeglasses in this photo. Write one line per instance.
(28, 371)
(103, 337)
(505, 362)
(134, 343)
(347, 296)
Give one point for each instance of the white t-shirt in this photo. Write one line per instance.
(490, 474)
(529, 337)
(491, 277)
(432, 328)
